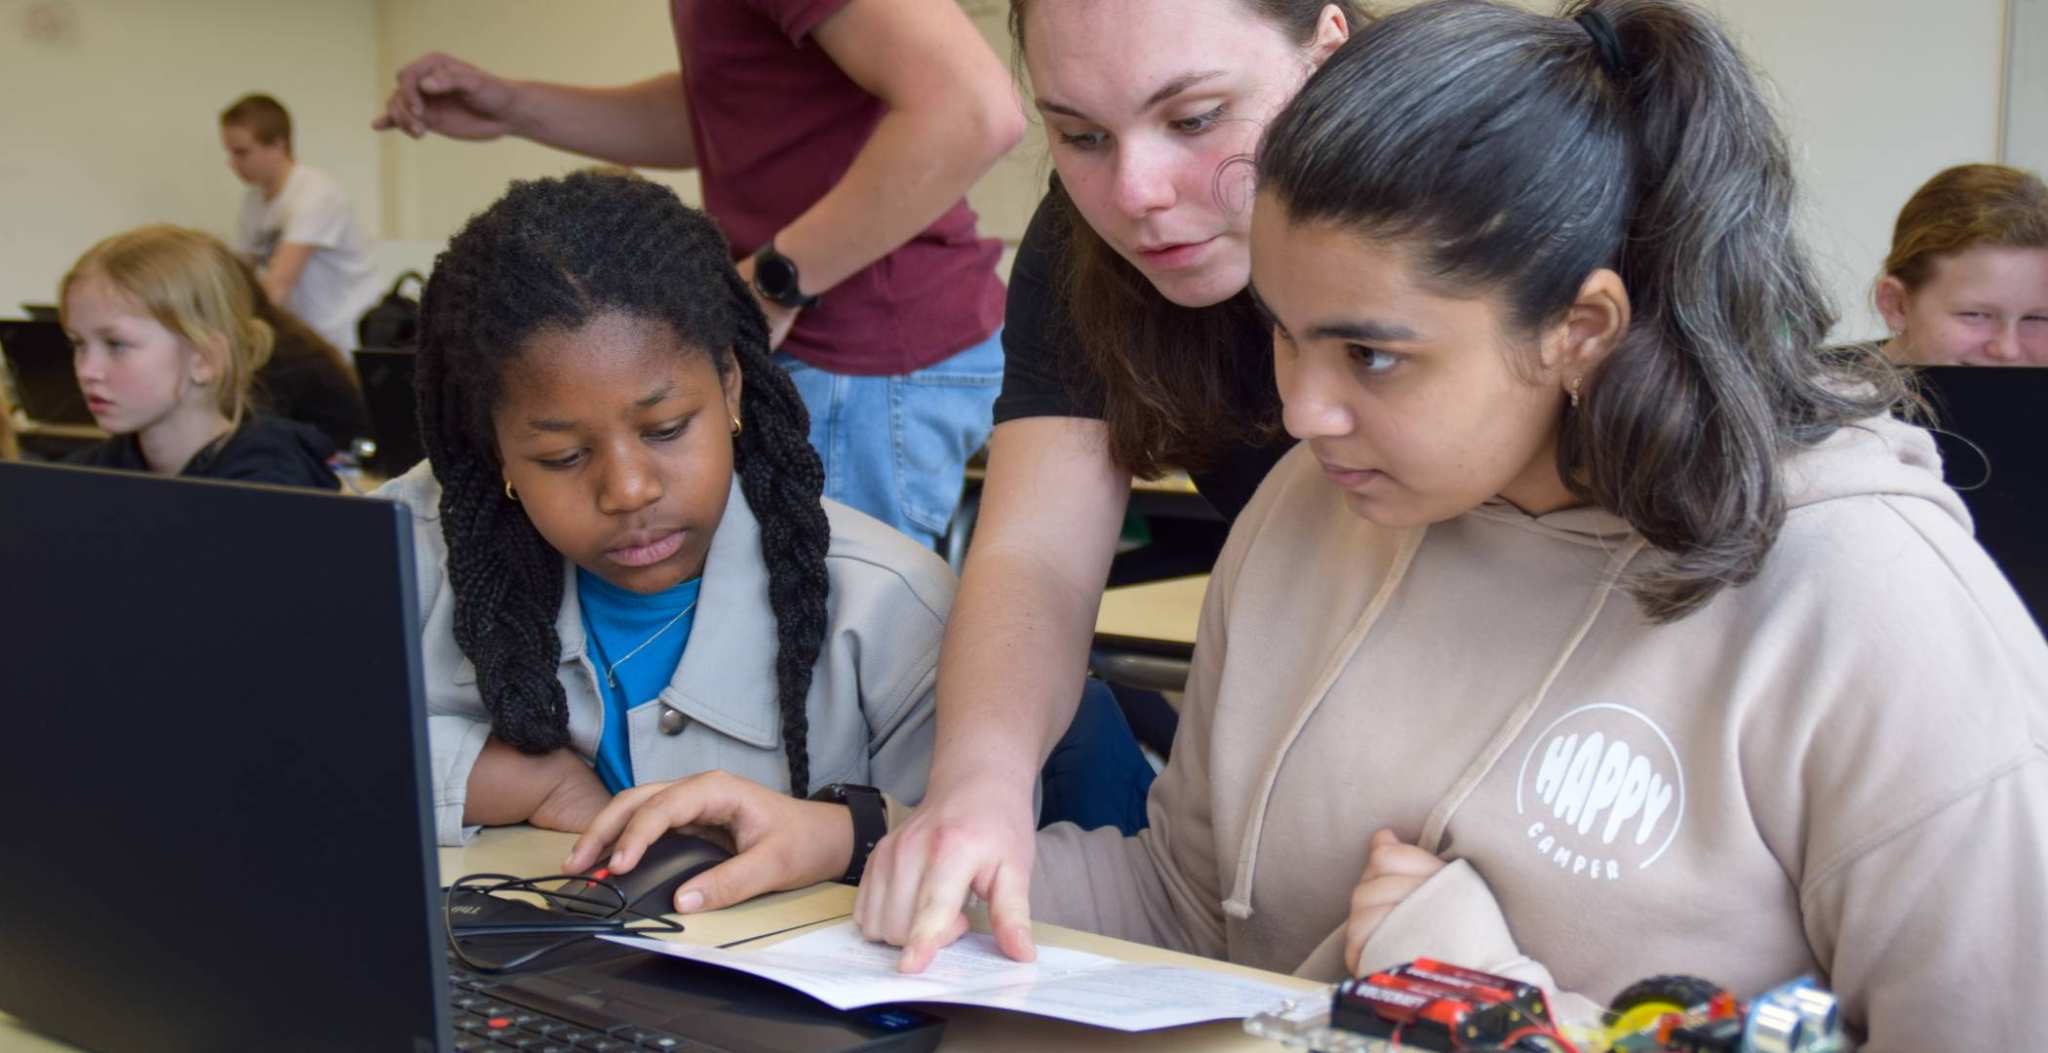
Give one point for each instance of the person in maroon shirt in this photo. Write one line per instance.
(835, 140)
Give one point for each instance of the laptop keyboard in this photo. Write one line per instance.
(489, 1016)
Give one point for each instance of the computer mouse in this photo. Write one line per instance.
(650, 887)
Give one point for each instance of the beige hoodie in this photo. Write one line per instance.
(1837, 767)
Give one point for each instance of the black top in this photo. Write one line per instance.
(262, 450)
(1045, 372)
(308, 382)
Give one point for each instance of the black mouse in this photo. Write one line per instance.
(650, 887)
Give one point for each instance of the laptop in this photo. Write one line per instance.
(41, 312)
(39, 359)
(219, 836)
(1992, 427)
(387, 379)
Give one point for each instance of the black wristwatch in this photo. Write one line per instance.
(870, 821)
(775, 278)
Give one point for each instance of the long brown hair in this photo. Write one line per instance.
(1176, 384)
(1964, 207)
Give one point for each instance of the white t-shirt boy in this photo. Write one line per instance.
(337, 285)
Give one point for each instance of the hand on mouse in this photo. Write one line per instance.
(778, 841)
(1393, 870)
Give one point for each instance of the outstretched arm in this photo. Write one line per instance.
(1010, 675)
(645, 123)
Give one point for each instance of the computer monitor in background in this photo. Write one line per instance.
(41, 312)
(39, 359)
(1992, 426)
(387, 379)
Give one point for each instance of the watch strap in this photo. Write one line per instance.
(870, 821)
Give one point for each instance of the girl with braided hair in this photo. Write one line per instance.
(627, 571)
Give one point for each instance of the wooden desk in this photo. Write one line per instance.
(77, 432)
(1145, 634)
(359, 482)
(54, 442)
(1175, 482)
(521, 850)
(527, 851)
(1158, 615)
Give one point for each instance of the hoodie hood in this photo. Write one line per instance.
(1879, 457)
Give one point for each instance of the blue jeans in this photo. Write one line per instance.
(1096, 775)
(896, 447)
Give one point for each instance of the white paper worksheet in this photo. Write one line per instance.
(837, 966)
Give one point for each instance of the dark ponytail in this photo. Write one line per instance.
(1522, 153)
(558, 252)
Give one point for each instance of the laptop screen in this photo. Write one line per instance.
(218, 834)
(1994, 451)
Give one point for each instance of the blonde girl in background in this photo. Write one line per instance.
(1967, 279)
(167, 344)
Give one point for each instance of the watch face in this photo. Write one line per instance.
(776, 276)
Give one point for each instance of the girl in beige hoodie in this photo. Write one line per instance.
(1600, 626)
(1624, 602)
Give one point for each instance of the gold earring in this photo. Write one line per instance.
(1571, 388)
(735, 426)
(509, 495)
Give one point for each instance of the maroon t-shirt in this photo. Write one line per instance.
(776, 123)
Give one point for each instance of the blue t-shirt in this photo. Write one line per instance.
(618, 620)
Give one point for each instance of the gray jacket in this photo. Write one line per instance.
(871, 699)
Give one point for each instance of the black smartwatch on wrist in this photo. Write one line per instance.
(870, 821)
(776, 280)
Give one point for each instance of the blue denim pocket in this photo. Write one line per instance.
(938, 417)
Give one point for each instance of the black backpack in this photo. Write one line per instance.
(395, 322)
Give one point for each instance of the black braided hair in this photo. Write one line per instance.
(558, 252)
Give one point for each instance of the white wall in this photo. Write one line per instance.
(110, 120)
(1877, 96)
(2026, 119)
(1006, 197)
(111, 110)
